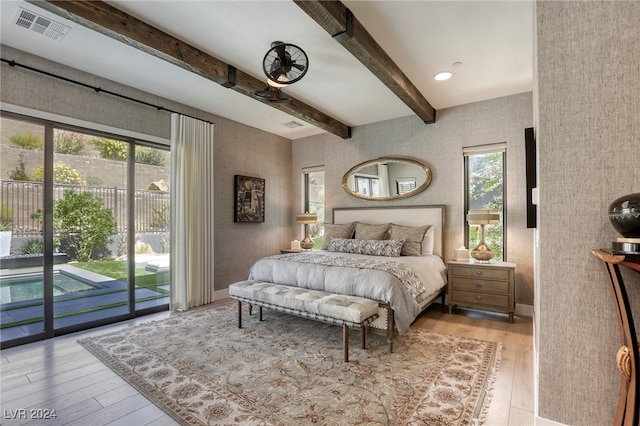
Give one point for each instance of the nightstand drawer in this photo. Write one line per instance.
(481, 285)
(480, 299)
(480, 272)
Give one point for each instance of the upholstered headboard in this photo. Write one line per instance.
(407, 215)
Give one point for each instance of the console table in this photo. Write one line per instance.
(628, 355)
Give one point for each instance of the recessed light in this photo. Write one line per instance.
(444, 75)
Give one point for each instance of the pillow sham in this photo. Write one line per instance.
(412, 235)
(331, 230)
(366, 231)
(389, 248)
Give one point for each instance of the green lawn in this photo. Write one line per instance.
(117, 269)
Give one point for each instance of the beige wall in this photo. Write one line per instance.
(589, 150)
(239, 149)
(440, 145)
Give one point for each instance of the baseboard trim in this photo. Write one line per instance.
(541, 421)
(221, 294)
(524, 310)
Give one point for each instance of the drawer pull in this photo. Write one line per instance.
(478, 285)
(478, 298)
(478, 273)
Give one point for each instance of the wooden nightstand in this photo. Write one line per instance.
(489, 286)
(283, 251)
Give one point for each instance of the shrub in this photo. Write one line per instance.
(6, 214)
(111, 149)
(94, 181)
(20, 172)
(33, 246)
(27, 141)
(153, 157)
(62, 173)
(161, 217)
(84, 226)
(66, 142)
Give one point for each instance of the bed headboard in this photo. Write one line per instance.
(408, 215)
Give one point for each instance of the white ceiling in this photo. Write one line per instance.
(493, 41)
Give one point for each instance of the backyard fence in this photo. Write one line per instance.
(19, 200)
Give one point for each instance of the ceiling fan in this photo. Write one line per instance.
(283, 64)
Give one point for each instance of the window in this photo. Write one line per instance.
(485, 170)
(314, 202)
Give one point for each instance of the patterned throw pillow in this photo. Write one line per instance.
(331, 230)
(413, 236)
(365, 231)
(389, 248)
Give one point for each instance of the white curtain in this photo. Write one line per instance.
(191, 242)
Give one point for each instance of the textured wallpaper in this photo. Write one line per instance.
(589, 148)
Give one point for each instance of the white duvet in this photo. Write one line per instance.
(358, 281)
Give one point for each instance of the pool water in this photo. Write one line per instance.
(31, 287)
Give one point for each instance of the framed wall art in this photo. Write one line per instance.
(249, 192)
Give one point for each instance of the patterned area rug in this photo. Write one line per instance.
(202, 370)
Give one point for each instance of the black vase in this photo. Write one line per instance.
(624, 215)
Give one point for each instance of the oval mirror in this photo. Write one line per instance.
(387, 178)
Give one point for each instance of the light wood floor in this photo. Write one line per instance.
(59, 374)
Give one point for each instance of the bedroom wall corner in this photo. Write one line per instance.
(239, 149)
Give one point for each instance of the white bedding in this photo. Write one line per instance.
(364, 282)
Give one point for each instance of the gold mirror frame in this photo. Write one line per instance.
(422, 168)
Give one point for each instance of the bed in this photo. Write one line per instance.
(366, 263)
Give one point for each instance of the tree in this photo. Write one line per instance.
(62, 173)
(84, 226)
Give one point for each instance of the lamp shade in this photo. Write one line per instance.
(483, 217)
(306, 218)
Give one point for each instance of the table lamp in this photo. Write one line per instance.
(482, 253)
(306, 219)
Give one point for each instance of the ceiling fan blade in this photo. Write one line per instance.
(276, 73)
(280, 50)
(299, 66)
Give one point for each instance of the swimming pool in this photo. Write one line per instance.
(21, 288)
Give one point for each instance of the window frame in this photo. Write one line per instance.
(486, 149)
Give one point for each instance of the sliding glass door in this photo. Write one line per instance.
(22, 278)
(93, 210)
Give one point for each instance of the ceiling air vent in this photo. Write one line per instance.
(30, 20)
(293, 124)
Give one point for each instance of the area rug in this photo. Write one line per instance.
(202, 370)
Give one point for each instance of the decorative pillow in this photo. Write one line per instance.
(331, 230)
(412, 235)
(390, 248)
(365, 231)
(428, 241)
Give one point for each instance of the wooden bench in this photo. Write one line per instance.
(338, 309)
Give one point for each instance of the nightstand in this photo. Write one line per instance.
(489, 286)
(283, 251)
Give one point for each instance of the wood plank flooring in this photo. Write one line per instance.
(59, 374)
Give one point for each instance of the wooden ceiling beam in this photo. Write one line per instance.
(343, 26)
(105, 19)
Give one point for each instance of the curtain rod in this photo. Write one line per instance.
(13, 63)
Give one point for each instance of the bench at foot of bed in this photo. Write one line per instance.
(338, 309)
